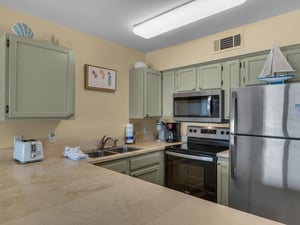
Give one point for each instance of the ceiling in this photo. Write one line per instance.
(113, 19)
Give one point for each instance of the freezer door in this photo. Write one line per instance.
(266, 181)
(266, 110)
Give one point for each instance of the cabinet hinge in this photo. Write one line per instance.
(240, 64)
(222, 68)
(7, 109)
(7, 43)
(221, 82)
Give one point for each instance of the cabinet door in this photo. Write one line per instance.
(231, 79)
(144, 93)
(121, 166)
(152, 95)
(168, 90)
(40, 79)
(185, 79)
(293, 57)
(136, 93)
(209, 76)
(223, 181)
(251, 68)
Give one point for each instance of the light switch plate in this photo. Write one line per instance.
(52, 137)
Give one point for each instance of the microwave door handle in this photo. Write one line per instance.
(209, 106)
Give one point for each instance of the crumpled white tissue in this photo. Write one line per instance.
(74, 153)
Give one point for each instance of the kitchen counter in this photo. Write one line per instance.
(60, 191)
(145, 147)
(223, 154)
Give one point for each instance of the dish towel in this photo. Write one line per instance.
(74, 153)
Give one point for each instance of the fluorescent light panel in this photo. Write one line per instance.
(183, 15)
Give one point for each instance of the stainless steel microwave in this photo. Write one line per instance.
(199, 106)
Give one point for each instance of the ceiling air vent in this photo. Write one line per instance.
(227, 43)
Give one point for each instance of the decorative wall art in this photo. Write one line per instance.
(100, 78)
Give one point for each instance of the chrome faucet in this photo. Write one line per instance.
(103, 142)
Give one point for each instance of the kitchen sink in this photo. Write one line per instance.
(122, 149)
(111, 151)
(99, 153)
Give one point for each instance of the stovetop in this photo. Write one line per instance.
(203, 141)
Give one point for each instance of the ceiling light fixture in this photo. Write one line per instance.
(181, 15)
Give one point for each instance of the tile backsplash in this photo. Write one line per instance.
(145, 129)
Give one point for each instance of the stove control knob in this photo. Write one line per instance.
(190, 130)
(227, 132)
(195, 131)
(222, 132)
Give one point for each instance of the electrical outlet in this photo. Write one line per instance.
(52, 136)
(17, 138)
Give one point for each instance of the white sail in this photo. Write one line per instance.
(276, 64)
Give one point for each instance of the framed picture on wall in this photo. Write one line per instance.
(100, 78)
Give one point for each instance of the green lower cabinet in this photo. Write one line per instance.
(148, 167)
(223, 181)
(151, 174)
(121, 166)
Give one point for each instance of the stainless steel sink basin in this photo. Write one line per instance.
(122, 149)
(101, 153)
(111, 151)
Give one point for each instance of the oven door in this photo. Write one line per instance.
(194, 175)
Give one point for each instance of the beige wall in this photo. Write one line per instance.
(256, 36)
(97, 112)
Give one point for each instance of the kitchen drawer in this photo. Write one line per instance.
(151, 174)
(121, 166)
(146, 160)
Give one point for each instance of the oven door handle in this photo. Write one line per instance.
(199, 158)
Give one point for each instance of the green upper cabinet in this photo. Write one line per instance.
(144, 93)
(209, 76)
(293, 57)
(168, 90)
(231, 79)
(185, 79)
(251, 68)
(36, 78)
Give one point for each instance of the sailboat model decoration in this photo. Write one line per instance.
(276, 68)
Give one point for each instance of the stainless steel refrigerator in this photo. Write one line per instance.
(265, 151)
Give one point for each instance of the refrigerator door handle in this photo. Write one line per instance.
(233, 112)
(232, 150)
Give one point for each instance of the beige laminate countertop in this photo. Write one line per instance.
(58, 191)
(145, 147)
(223, 154)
